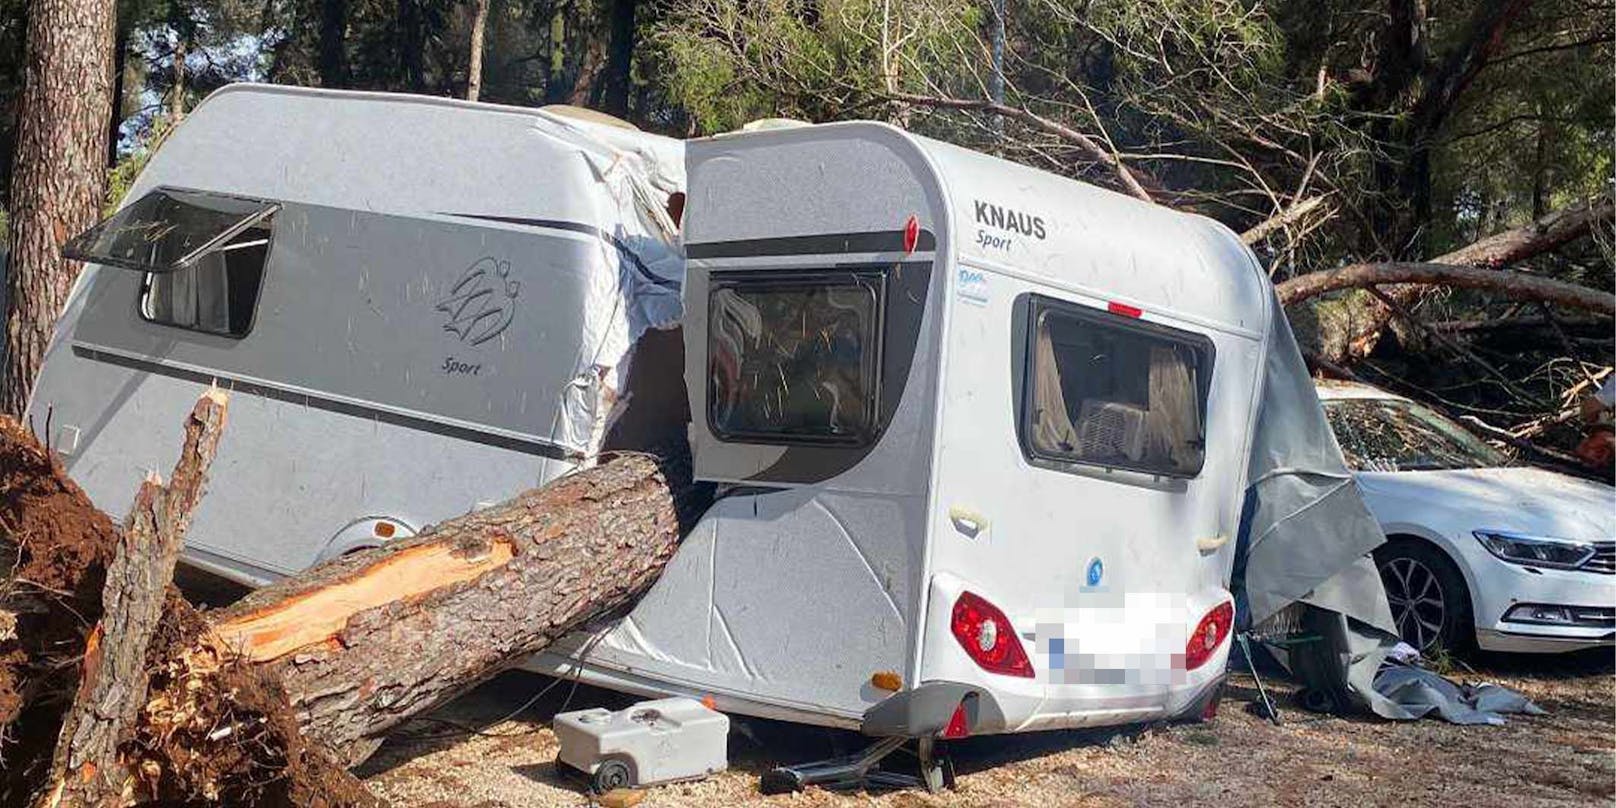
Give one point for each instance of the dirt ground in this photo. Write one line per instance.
(477, 754)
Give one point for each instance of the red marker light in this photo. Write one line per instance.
(958, 724)
(911, 233)
(1123, 309)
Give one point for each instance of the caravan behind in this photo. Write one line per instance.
(982, 434)
(419, 303)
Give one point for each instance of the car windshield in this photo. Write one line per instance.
(1378, 434)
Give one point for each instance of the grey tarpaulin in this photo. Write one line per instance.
(1304, 536)
(1419, 692)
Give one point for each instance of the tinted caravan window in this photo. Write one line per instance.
(793, 357)
(1108, 390)
(203, 255)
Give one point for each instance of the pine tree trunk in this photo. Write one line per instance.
(619, 59)
(58, 175)
(474, 73)
(120, 57)
(333, 43)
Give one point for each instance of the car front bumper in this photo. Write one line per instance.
(1505, 587)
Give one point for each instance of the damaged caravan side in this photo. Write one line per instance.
(421, 305)
(982, 435)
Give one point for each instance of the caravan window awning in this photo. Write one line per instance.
(168, 229)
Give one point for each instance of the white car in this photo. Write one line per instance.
(1480, 550)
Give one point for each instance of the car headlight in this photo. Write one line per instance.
(1532, 551)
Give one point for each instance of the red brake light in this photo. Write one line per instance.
(1124, 309)
(987, 636)
(1208, 635)
(911, 234)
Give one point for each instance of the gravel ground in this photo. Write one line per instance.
(477, 754)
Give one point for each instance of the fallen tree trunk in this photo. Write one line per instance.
(250, 704)
(362, 643)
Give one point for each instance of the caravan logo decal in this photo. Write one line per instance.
(998, 217)
(482, 303)
(972, 286)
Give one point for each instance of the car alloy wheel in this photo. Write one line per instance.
(1419, 606)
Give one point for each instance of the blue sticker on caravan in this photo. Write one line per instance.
(1096, 572)
(973, 286)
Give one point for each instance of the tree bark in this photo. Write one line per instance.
(86, 769)
(474, 71)
(58, 175)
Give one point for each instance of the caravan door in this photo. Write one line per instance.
(1088, 484)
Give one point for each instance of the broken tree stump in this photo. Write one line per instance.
(86, 769)
(255, 703)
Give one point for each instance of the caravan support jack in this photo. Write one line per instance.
(1265, 707)
(859, 771)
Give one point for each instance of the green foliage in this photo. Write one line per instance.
(729, 62)
(123, 175)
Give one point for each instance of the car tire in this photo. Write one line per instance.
(1429, 600)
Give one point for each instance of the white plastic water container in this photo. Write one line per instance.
(648, 743)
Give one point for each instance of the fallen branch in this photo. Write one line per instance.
(1521, 322)
(1413, 279)
(1516, 285)
(1283, 219)
(1088, 145)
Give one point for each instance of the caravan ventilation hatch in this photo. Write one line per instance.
(168, 229)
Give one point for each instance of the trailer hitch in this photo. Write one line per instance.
(861, 771)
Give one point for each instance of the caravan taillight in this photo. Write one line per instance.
(986, 634)
(1208, 635)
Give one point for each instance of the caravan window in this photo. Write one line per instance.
(203, 255)
(1107, 390)
(217, 293)
(793, 356)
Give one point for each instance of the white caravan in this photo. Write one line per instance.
(982, 433)
(421, 305)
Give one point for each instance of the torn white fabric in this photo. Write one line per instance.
(640, 272)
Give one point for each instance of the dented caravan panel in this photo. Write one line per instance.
(824, 564)
(424, 335)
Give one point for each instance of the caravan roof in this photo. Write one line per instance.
(393, 153)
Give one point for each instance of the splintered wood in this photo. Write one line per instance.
(320, 615)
